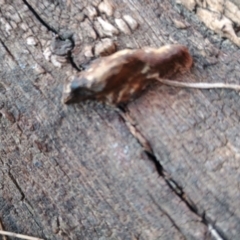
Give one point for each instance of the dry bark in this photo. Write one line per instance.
(166, 169)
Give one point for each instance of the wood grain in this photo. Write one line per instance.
(77, 172)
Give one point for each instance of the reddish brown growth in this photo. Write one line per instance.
(121, 77)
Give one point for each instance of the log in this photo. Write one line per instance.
(164, 168)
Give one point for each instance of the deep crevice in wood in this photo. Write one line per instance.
(173, 185)
(17, 186)
(70, 57)
(31, 9)
(51, 29)
(168, 216)
(7, 50)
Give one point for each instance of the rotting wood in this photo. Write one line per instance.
(76, 172)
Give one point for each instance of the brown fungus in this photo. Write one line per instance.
(122, 76)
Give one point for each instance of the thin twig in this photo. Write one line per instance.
(198, 85)
(1, 228)
(11, 234)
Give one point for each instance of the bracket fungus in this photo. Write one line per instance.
(122, 76)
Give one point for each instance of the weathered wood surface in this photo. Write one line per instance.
(76, 172)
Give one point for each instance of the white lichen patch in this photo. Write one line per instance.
(23, 26)
(132, 23)
(105, 47)
(39, 69)
(88, 51)
(107, 27)
(122, 26)
(88, 29)
(6, 25)
(56, 61)
(213, 5)
(218, 15)
(31, 41)
(91, 12)
(106, 7)
(232, 12)
(180, 24)
(47, 53)
(189, 4)
(219, 24)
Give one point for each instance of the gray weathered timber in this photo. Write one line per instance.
(76, 171)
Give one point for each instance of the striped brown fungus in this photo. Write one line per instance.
(122, 76)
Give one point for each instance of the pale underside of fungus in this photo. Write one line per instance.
(122, 76)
